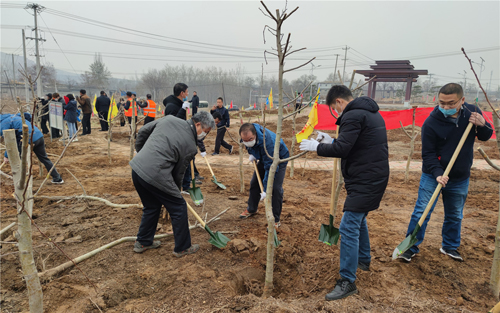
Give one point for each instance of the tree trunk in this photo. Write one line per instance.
(268, 285)
(23, 234)
(412, 145)
(495, 268)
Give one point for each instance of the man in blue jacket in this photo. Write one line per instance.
(441, 132)
(253, 139)
(10, 121)
(221, 126)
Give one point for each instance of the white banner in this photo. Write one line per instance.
(56, 115)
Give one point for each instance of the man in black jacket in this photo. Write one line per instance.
(362, 147)
(441, 132)
(195, 103)
(177, 104)
(102, 107)
(45, 113)
(221, 126)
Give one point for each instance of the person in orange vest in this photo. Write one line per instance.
(128, 107)
(150, 110)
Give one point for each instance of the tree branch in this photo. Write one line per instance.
(364, 83)
(485, 156)
(292, 69)
(293, 157)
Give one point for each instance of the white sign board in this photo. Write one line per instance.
(56, 115)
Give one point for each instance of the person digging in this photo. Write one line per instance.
(253, 139)
(165, 148)
(362, 147)
(441, 132)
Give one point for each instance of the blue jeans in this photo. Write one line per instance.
(454, 196)
(71, 129)
(354, 243)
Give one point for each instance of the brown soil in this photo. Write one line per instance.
(232, 279)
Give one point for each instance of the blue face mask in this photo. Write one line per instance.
(185, 99)
(448, 112)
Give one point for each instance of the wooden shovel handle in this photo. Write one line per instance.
(195, 215)
(209, 167)
(334, 179)
(192, 169)
(446, 172)
(258, 176)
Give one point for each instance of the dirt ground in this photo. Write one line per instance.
(232, 279)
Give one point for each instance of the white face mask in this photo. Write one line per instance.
(202, 135)
(249, 144)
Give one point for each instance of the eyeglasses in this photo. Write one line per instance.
(451, 104)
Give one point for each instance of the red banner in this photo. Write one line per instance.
(391, 118)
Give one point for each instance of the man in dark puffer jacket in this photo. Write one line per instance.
(362, 146)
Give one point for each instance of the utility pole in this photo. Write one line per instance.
(36, 10)
(261, 84)
(335, 72)
(480, 73)
(489, 85)
(345, 59)
(465, 82)
(14, 82)
(26, 91)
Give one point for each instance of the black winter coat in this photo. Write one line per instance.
(440, 137)
(362, 146)
(102, 104)
(173, 106)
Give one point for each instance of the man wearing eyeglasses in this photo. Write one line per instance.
(441, 132)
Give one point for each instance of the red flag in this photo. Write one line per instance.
(255, 105)
(434, 99)
(231, 106)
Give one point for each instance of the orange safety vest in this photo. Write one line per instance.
(128, 112)
(150, 110)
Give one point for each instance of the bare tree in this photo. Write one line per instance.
(282, 50)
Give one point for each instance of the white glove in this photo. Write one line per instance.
(185, 105)
(5, 160)
(252, 158)
(203, 154)
(262, 196)
(309, 145)
(324, 138)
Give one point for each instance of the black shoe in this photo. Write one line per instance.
(198, 177)
(102, 130)
(58, 181)
(364, 266)
(215, 153)
(138, 248)
(198, 182)
(344, 288)
(453, 254)
(407, 255)
(231, 150)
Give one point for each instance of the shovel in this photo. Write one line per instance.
(412, 238)
(214, 180)
(328, 233)
(195, 192)
(217, 239)
(276, 241)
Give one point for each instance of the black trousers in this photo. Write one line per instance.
(220, 140)
(254, 198)
(186, 182)
(152, 199)
(86, 123)
(148, 119)
(44, 121)
(103, 119)
(129, 118)
(41, 154)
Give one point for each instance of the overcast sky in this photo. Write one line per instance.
(228, 34)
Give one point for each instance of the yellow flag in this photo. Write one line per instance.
(113, 110)
(93, 105)
(311, 123)
(269, 101)
(317, 97)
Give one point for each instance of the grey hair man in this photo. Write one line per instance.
(165, 148)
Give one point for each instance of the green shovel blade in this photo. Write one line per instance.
(328, 233)
(409, 242)
(214, 180)
(196, 195)
(276, 241)
(217, 239)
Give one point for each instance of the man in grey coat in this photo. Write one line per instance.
(165, 148)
